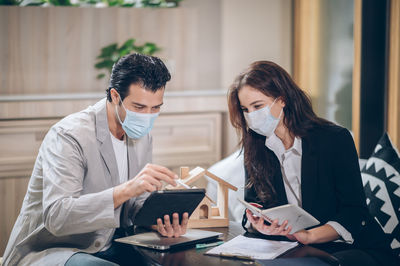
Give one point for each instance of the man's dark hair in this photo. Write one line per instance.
(144, 70)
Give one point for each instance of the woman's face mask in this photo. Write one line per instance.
(136, 125)
(262, 121)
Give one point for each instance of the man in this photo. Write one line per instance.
(92, 174)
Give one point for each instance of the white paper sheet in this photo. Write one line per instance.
(254, 248)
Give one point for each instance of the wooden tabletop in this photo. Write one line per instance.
(193, 256)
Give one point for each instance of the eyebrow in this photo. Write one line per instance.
(143, 105)
(255, 102)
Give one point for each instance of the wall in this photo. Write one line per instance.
(54, 49)
(253, 30)
(46, 72)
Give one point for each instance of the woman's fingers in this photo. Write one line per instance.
(280, 230)
(274, 224)
(250, 217)
(273, 229)
(287, 231)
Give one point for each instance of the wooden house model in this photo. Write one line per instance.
(208, 213)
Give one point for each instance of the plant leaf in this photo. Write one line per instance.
(104, 64)
(108, 50)
(100, 76)
(150, 48)
(129, 44)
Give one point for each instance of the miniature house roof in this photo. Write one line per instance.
(199, 172)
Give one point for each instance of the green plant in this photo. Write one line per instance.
(99, 3)
(111, 53)
(10, 2)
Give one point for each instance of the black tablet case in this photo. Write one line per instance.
(160, 203)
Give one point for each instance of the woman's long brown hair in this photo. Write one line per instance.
(299, 118)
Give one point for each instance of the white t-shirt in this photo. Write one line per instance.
(121, 156)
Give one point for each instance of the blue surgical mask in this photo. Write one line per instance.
(136, 125)
(262, 121)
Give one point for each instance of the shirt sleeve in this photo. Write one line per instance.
(342, 232)
(66, 210)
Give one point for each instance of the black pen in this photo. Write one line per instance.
(230, 256)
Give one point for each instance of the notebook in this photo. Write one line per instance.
(297, 218)
(154, 240)
(242, 247)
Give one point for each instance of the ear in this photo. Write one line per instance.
(114, 96)
(281, 102)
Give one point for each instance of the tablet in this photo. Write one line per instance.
(163, 202)
(154, 240)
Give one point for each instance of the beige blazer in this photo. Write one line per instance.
(69, 206)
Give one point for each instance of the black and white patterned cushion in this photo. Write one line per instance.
(381, 181)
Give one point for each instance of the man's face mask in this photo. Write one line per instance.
(136, 125)
(262, 121)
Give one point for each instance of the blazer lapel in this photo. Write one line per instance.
(279, 185)
(278, 181)
(105, 145)
(309, 173)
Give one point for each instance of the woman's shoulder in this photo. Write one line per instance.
(330, 129)
(329, 133)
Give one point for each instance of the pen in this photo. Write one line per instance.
(235, 256)
(230, 256)
(198, 246)
(182, 184)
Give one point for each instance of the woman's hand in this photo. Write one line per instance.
(302, 236)
(172, 230)
(273, 229)
(321, 234)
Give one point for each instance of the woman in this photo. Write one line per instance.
(293, 156)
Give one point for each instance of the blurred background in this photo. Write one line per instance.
(55, 58)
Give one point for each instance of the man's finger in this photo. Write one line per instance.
(185, 220)
(164, 170)
(152, 181)
(168, 226)
(148, 187)
(161, 176)
(175, 225)
(160, 227)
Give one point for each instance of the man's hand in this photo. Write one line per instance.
(172, 230)
(147, 180)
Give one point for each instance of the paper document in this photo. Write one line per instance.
(297, 218)
(255, 248)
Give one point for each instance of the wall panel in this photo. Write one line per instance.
(53, 50)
